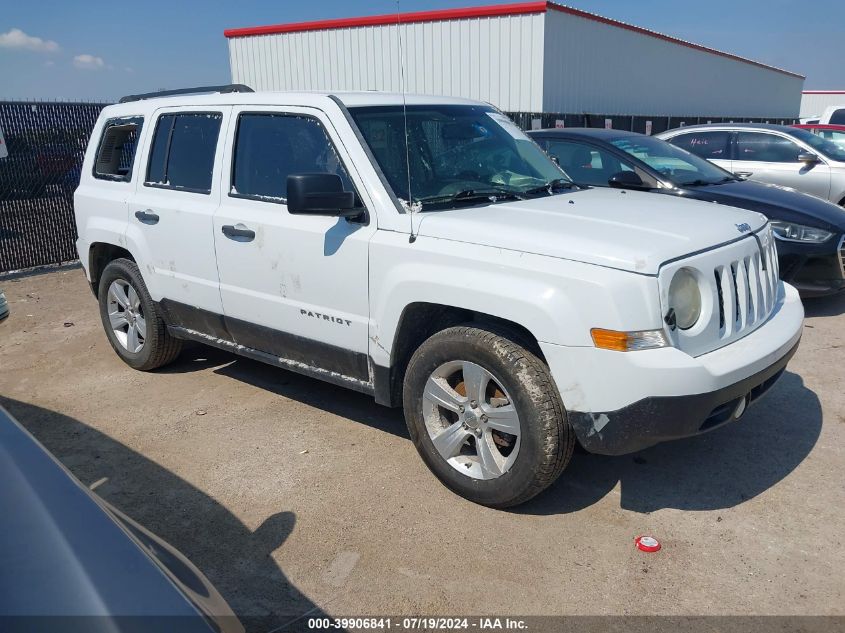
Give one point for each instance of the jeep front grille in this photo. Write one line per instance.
(746, 290)
(739, 284)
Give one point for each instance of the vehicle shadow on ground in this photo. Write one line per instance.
(717, 470)
(235, 559)
(340, 401)
(832, 305)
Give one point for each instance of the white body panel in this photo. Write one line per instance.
(299, 263)
(178, 251)
(555, 266)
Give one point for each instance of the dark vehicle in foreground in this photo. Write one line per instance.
(71, 557)
(810, 231)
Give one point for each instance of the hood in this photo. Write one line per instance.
(628, 230)
(775, 202)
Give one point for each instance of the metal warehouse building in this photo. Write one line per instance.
(530, 57)
(814, 102)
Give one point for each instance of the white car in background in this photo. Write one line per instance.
(777, 154)
(832, 115)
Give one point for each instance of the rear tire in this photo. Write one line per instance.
(458, 427)
(132, 320)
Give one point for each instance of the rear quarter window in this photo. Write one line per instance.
(116, 149)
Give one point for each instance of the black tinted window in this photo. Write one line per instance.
(183, 150)
(709, 145)
(270, 147)
(157, 167)
(586, 164)
(838, 117)
(767, 148)
(116, 152)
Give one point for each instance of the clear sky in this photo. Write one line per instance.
(92, 49)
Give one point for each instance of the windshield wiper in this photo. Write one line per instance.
(475, 195)
(557, 183)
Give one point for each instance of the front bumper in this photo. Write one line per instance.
(621, 402)
(814, 269)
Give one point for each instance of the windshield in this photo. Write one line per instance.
(457, 154)
(679, 166)
(819, 144)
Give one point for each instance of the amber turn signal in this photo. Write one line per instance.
(628, 341)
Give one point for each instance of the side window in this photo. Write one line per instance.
(271, 147)
(834, 135)
(116, 152)
(182, 154)
(709, 145)
(768, 148)
(585, 164)
(838, 117)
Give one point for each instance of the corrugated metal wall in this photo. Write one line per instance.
(814, 104)
(495, 59)
(595, 67)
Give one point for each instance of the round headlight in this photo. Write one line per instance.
(685, 298)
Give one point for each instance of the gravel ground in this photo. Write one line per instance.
(295, 496)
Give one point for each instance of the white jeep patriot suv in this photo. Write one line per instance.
(427, 252)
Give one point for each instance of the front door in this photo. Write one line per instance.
(294, 286)
(773, 158)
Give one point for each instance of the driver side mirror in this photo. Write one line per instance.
(808, 158)
(320, 194)
(627, 180)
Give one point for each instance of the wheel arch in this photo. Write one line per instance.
(100, 255)
(419, 321)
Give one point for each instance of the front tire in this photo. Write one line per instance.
(485, 415)
(131, 318)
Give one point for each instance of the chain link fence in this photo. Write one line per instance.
(39, 170)
(45, 143)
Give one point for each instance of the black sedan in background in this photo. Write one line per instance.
(810, 231)
(71, 562)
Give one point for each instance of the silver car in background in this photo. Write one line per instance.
(776, 154)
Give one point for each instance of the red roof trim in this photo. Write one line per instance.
(521, 8)
(667, 38)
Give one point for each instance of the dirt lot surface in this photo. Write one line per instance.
(295, 496)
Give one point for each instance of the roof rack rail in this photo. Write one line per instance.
(224, 89)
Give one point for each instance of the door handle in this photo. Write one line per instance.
(147, 217)
(744, 174)
(238, 232)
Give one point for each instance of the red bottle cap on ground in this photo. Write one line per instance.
(647, 543)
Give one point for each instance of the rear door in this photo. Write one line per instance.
(294, 286)
(712, 145)
(773, 158)
(170, 215)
